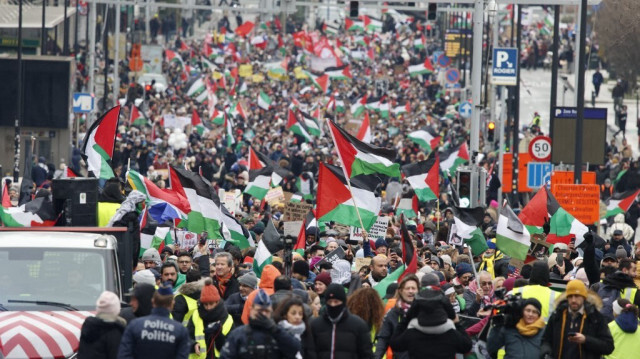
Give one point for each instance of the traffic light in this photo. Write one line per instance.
(354, 9)
(431, 12)
(464, 187)
(491, 131)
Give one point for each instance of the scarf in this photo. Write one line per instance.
(487, 298)
(488, 262)
(222, 283)
(404, 306)
(295, 330)
(529, 330)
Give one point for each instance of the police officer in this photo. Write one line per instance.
(261, 338)
(210, 323)
(156, 336)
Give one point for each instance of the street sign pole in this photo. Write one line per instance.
(580, 94)
(503, 119)
(93, 10)
(516, 115)
(116, 56)
(476, 72)
(554, 67)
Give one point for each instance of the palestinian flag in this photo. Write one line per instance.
(217, 117)
(358, 107)
(419, 43)
(400, 109)
(373, 103)
(196, 123)
(320, 82)
(421, 69)
(364, 133)
(136, 118)
(277, 70)
(174, 58)
(312, 124)
(196, 88)
(621, 202)
(70, 173)
(257, 160)
(297, 127)
(335, 202)
(424, 139)
(338, 73)
(351, 25)
(264, 102)
(384, 110)
(454, 157)
(254, 161)
(6, 200)
(392, 277)
(466, 221)
(36, 213)
(562, 225)
(358, 157)
(512, 237)
(237, 109)
(409, 256)
(153, 235)
(234, 232)
(98, 144)
(301, 243)
(259, 182)
(408, 205)
(162, 204)
(304, 185)
(205, 213)
(423, 177)
(261, 258)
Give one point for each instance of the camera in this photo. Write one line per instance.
(507, 309)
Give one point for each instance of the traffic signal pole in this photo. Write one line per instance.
(476, 77)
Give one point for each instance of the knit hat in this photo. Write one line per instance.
(429, 279)
(335, 291)
(621, 252)
(463, 268)
(534, 302)
(381, 243)
(108, 303)
(248, 280)
(324, 277)
(576, 287)
(209, 293)
(144, 276)
(151, 254)
(301, 267)
(165, 289)
(491, 244)
(262, 299)
(340, 272)
(446, 259)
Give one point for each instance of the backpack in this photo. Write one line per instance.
(608, 295)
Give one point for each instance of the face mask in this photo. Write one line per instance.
(334, 312)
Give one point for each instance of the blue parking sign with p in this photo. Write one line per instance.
(505, 66)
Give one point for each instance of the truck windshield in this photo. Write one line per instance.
(75, 277)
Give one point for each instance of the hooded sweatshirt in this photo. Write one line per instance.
(269, 275)
(143, 293)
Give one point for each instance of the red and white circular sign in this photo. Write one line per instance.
(540, 148)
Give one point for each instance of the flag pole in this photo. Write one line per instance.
(439, 215)
(344, 170)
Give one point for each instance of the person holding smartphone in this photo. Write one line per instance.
(576, 329)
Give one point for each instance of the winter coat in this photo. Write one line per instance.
(180, 307)
(619, 223)
(389, 324)
(269, 275)
(234, 306)
(100, 337)
(281, 343)
(155, 336)
(233, 286)
(348, 337)
(434, 342)
(626, 337)
(217, 314)
(516, 345)
(598, 337)
(144, 303)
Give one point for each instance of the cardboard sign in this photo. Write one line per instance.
(377, 231)
(274, 196)
(332, 257)
(292, 228)
(581, 200)
(362, 262)
(245, 70)
(296, 211)
(567, 177)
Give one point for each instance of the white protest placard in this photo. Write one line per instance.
(377, 231)
(231, 199)
(173, 121)
(292, 228)
(186, 240)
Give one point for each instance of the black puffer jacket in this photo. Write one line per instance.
(100, 337)
(352, 337)
(143, 293)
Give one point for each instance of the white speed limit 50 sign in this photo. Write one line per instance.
(540, 148)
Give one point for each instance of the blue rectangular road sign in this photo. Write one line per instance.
(505, 66)
(82, 102)
(538, 173)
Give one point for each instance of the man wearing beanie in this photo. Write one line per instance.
(210, 323)
(338, 333)
(140, 303)
(538, 288)
(156, 335)
(247, 284)
(100, 335)
(261, 338)
(576, 329)
(464, 274)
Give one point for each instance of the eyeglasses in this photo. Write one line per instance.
(485, 283)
